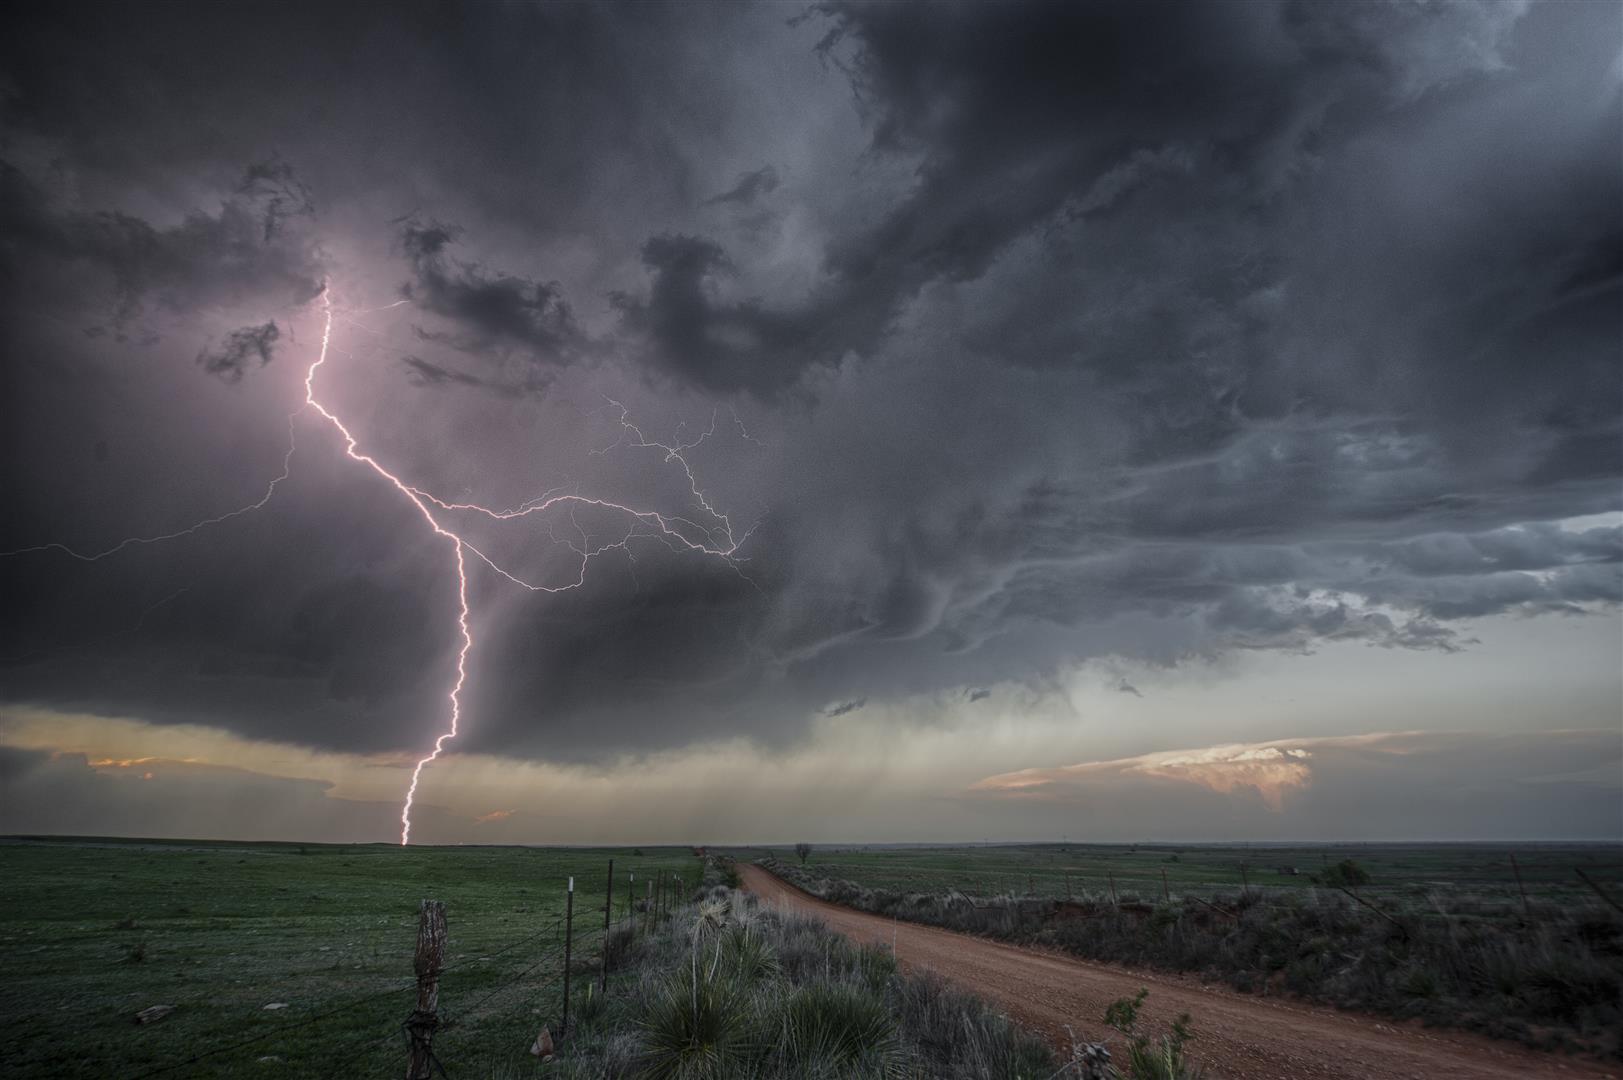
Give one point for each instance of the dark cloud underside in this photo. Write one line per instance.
(1062, 332)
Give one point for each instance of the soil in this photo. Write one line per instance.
(1237, 1036)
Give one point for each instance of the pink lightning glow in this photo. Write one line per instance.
(678, 533)
(456, 542)
(422, 501)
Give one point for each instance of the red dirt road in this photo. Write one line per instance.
(1238, 1036)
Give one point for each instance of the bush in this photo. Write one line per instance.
(750, 956)
(965, 1037)
(698, 1028)
(1147, 1058)
(1345, 874)
(838, 1028)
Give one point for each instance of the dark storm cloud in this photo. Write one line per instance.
(716, 344)
(1110, 330)
(279, 192)
(239, 351)
(423, 373)
(844, 707)
(750, 187)
(489, 308)
(209, 259)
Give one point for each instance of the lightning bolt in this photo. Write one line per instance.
(270, 491)
(678, 533)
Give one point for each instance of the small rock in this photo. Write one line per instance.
(153, 1013)
(269, 1059)
(542, 1047)
(276, 1005)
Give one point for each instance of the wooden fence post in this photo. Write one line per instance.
(608, 906)
(1166, 892)
(1245, 882)
(428, 963)
(631, 898)
(569, 941)
(1113, 899)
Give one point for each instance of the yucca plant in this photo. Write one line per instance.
(749, 956)
(699, 1026)
(833, 1029)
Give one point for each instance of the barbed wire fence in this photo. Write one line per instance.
(545, 974)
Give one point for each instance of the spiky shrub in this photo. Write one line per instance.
(749, 956)
(959, 1037)
(699, 1026)
(839, 1030)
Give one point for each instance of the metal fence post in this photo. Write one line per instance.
(569, 941)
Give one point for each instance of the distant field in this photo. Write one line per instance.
(1056, 870)
(95, 930)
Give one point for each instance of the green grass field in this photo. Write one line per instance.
(1396, 870)
(96, 930)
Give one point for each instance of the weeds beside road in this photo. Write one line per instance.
(733, 989)
(1551, 977)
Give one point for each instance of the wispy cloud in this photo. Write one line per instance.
(1270, 769)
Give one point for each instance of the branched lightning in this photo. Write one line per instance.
(678, 533)
(270, 490)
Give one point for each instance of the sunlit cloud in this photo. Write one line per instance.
(1270, 770)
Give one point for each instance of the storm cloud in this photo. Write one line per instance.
(238, 352)
(1055, 333)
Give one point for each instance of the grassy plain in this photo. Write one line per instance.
(1396, 870)
(95, 930)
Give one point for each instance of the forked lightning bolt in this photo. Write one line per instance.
(679, 533)
(132, 541)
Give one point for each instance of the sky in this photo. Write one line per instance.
(852, 421)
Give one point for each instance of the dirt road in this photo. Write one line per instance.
(1238, 1037)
